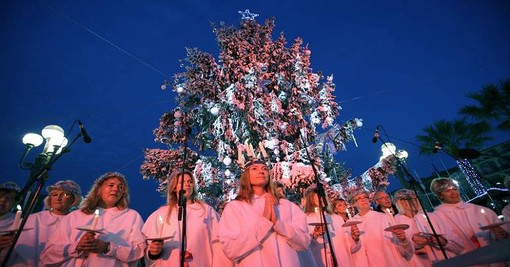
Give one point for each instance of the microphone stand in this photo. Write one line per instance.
(39, 175)
(322, 201)
(182, 201)
(412, 181)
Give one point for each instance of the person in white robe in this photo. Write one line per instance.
(339, 207)
(63, 197)
(9, 196)
(343, 243)
(103, 232)
(378, 246)
(506, 210)
(259, 228)
(427, 249)
(164, 230)
(465, 219)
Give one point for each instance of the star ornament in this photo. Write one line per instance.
(247, 15)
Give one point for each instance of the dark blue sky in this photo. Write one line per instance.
(396, 64)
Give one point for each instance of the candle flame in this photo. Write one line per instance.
(160, 219)
(482, 211)
(18, 207)
(96, 212)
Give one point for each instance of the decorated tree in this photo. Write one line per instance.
(259, 99)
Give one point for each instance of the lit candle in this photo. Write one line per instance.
(348, 213)
(252, 151)
(240, 157)
(160, 231)
(247, 147)
(17, 218)
(485, 216)
(425, 229)
(96, 218)
(388, 212)
(263, 150)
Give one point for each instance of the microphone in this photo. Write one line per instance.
(437, 147)
(376, 135)
(86, 137)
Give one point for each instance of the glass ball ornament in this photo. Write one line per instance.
(227, 160)
(215, 111)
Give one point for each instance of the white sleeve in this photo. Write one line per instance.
(241, 235)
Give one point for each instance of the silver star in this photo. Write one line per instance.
(247, 15)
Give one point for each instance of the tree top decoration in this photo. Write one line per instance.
(259, 99)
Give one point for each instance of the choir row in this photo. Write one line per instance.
(259, 228)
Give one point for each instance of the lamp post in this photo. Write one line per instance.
(389, 149)
(55, 142)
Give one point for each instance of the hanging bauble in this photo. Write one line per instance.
(177, 114)
(215, 110)
(163, 87)
(276, 152)
(227, 160)
(227, 173)
(283, 126)
(179, 89)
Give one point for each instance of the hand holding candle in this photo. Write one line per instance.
(96, 218)
(17, 218)
(388, 212)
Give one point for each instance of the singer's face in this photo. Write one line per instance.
(382, 199)
(340, 207)
(7, 200)
(450, 196)
(111, 192)
(362, 202)
(188, 184)
(259, 175)
(61, 200)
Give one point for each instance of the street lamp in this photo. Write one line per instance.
(55, 141)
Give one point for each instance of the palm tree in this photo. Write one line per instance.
(493, 104)
(453, 137)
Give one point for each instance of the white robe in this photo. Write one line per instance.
(37, 231)
(506, 216)
(342, 245)
(5, 224)
(465, 220)
(453, 246)
(122, 228)
(250, 239)
(201, 237)
(379, 247)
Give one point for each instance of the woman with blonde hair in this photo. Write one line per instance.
(343, 246)
(164, 230)
(259, 228)
(103, 232)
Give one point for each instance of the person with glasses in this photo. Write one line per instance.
(427, 250)
(378, 247)
(63, 197)
(465, 219)
(9, 196)
(103, 232)
(383, 203)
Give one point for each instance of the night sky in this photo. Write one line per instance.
(399, 65)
